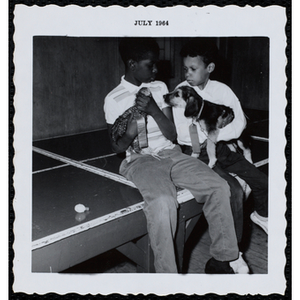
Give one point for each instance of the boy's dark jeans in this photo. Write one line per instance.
(233, 162)
(236, 197)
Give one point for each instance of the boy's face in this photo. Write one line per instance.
(196, 72)
(145, 70)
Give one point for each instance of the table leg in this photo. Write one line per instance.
(140, 252)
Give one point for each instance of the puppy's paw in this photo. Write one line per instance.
(247, 155)
(196, 155)
(212, 163)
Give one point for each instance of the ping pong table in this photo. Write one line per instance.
(82, 169)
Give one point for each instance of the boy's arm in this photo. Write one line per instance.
(234, 129)
(161, 117)
(112, 112)
(125, 141)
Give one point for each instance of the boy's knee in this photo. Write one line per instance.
(164, 203)
(161, 206)
(223, 190)
(161, 214)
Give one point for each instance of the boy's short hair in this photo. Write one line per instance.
(137, 48)
(204, 47)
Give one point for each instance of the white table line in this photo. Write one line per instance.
(259, 138)
(84, 166)
(65, 165)
(50, 239)
(182, 196)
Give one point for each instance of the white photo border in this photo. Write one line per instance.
(74, 20)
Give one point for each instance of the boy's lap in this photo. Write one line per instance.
(146, 167)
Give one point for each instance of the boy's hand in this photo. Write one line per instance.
(146, 104)
(131, 130)
(222, 122)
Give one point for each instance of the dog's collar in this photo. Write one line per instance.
(200, 111)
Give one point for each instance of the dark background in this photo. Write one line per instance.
(72, 76)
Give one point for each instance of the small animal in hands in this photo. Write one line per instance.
(120, 125)
(210, 116)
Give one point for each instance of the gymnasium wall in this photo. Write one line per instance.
(72, 76)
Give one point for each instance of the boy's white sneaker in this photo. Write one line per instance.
(239, 266)
(260, 221)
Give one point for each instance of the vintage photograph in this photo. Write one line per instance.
(83, 207)
(152, 154)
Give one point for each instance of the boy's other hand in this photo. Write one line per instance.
(132, 130)
(222, 122)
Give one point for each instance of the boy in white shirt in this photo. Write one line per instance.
(161, 167)
(199, 62)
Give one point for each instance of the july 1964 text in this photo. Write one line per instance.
(150, 23)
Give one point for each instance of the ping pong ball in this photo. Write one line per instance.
(80, 208)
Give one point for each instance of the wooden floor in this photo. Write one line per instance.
(255, 251)
(254, 246)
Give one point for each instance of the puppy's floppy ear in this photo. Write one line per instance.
(192, 107)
